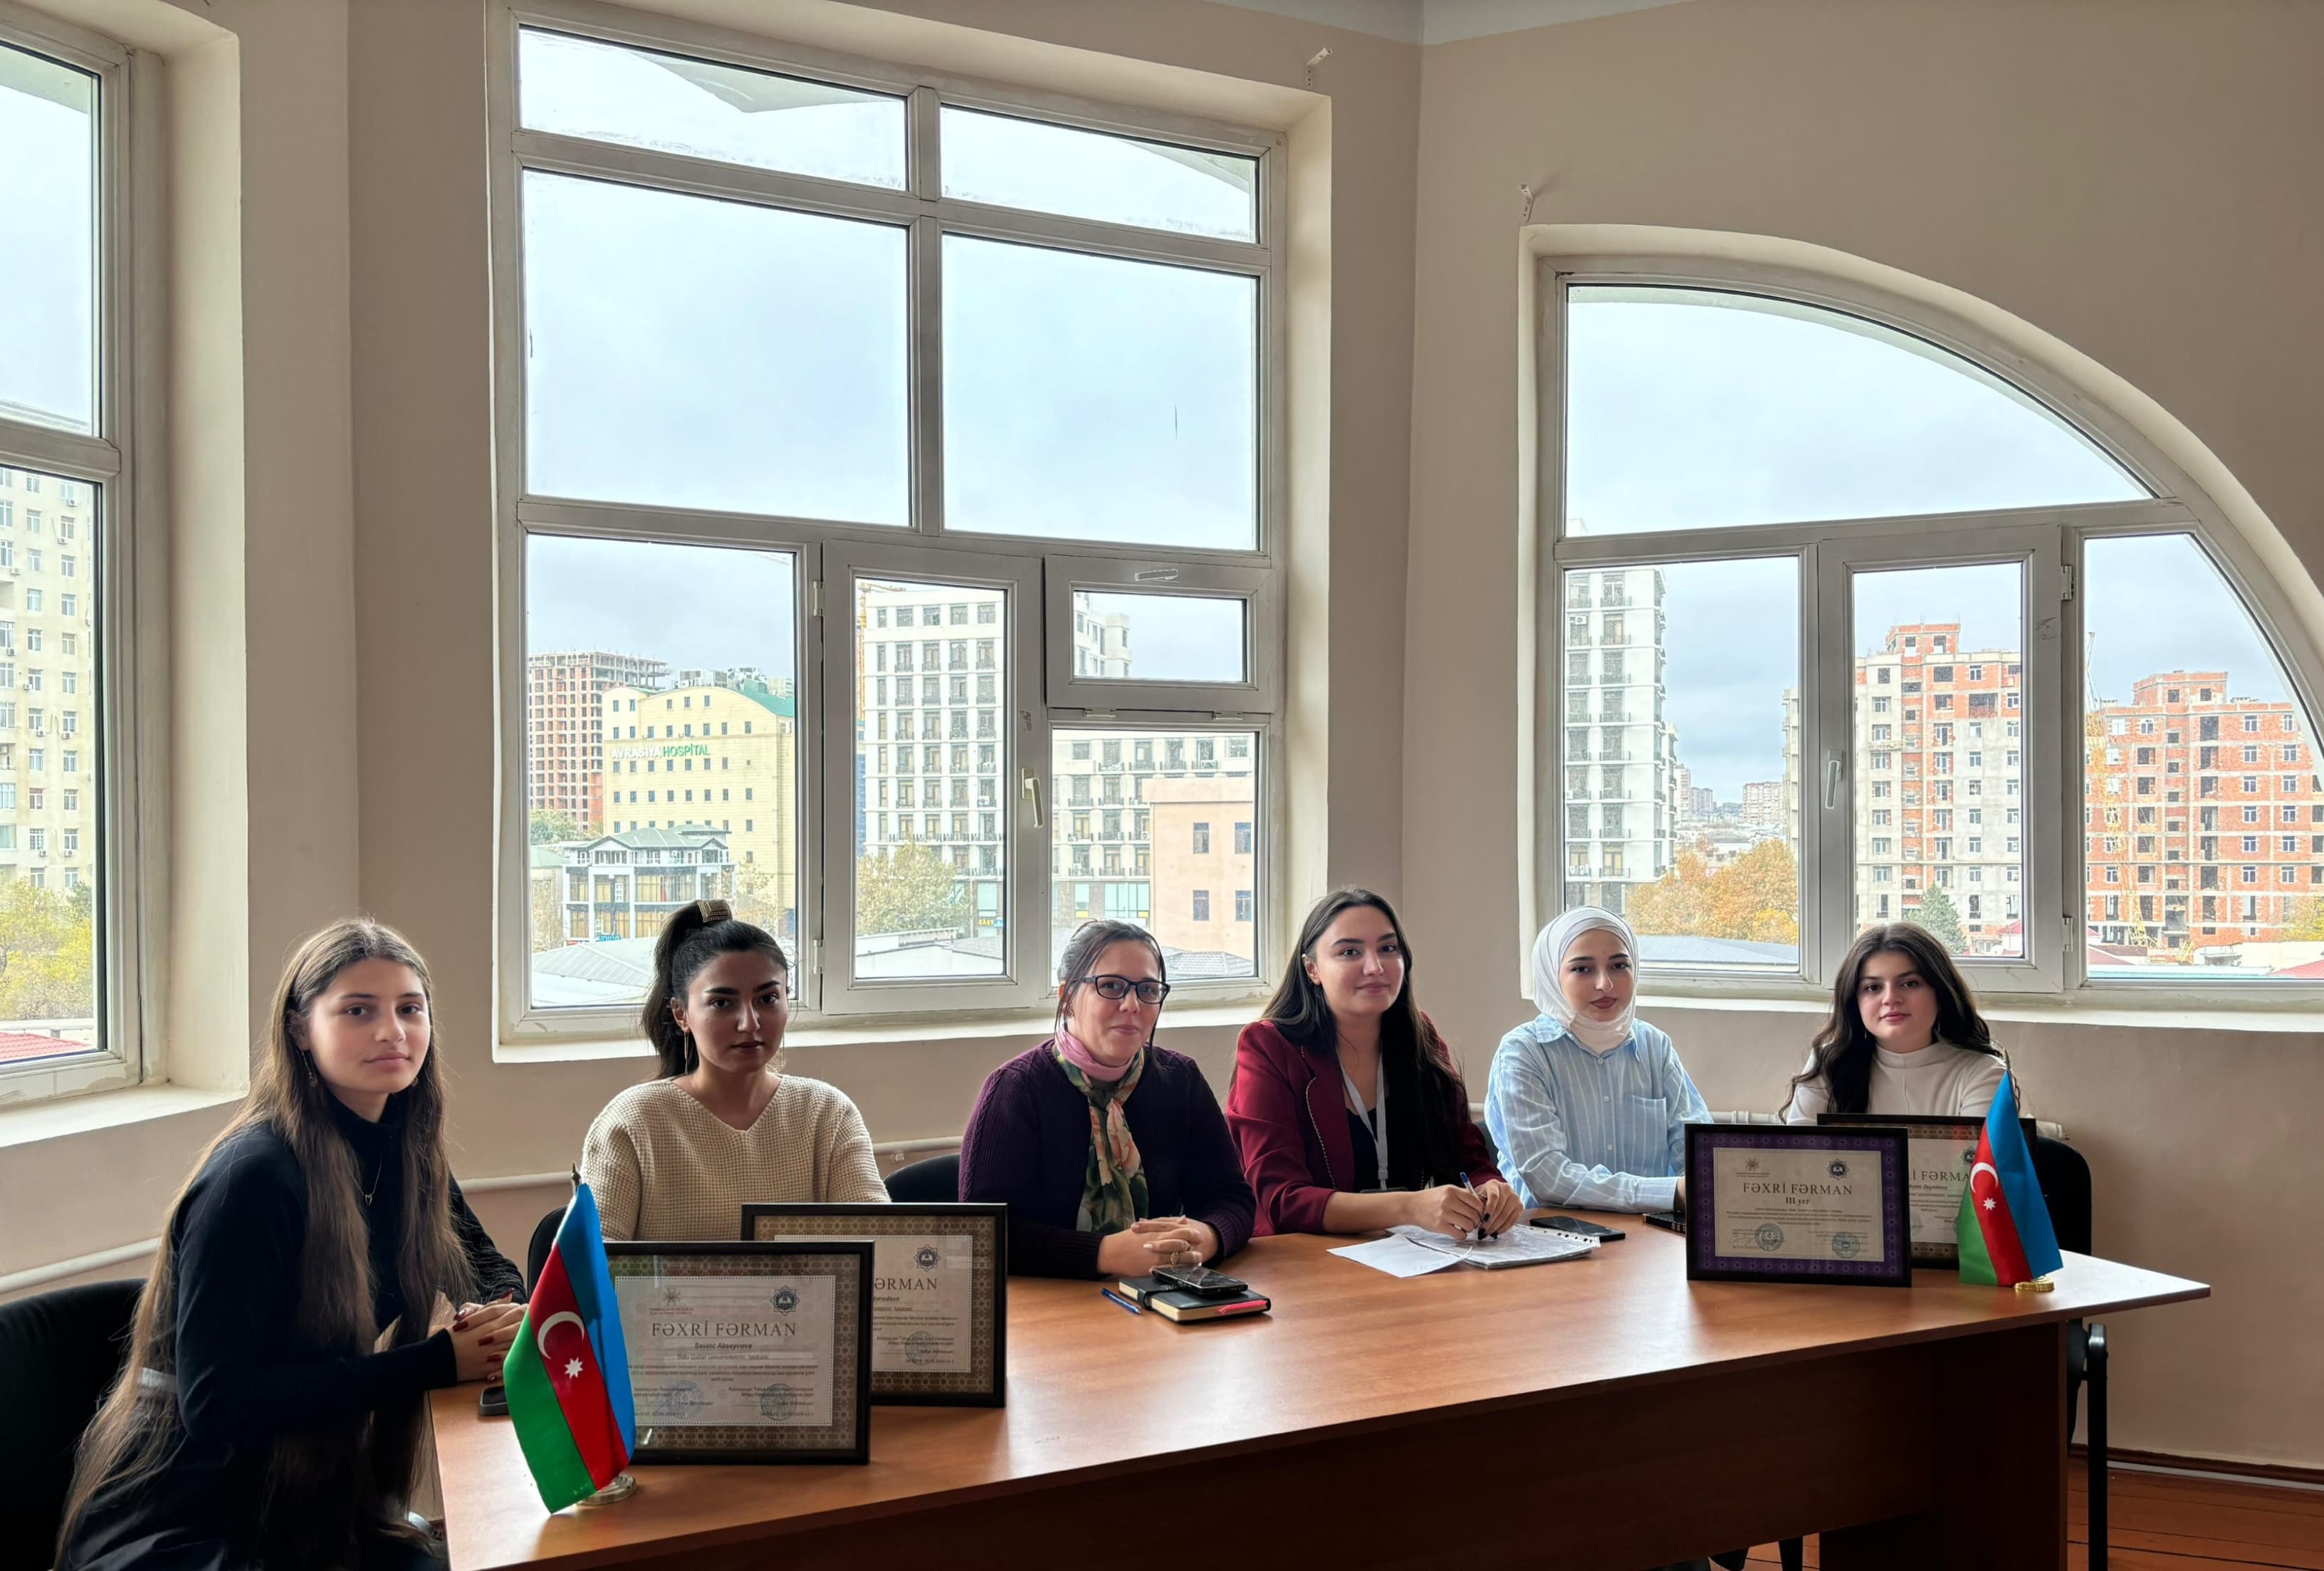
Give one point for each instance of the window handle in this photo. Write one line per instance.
(1029, 786)
(1832, 781)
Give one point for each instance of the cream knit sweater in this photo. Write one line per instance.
(664, 1167)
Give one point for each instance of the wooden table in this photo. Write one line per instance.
(1600, 1413)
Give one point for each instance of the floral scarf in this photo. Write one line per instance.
(1114, 1192)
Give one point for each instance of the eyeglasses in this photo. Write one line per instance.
(1114, 989)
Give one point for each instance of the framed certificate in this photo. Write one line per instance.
(1797, 1203)
(939, 1292)
(1942, 1149)
(748, 1352)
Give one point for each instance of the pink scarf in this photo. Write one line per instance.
(1072, 1049)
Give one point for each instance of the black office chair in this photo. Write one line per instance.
(60, 1353)
(2064, 1175)
(937, 1178)
(536, 1254)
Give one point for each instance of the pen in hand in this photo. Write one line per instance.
(1482, 1210)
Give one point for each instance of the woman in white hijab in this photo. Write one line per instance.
(1587, 1103)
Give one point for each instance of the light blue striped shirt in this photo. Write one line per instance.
(1596, 1133)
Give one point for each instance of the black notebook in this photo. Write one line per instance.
(1173, 1302)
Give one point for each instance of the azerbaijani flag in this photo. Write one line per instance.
(2004, 1228)
(569, 1373)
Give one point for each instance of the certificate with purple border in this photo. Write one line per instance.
(1798, 1204)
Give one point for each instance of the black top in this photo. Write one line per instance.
(1360, 1134)
(244, 1376)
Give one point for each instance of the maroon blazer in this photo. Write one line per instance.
(1288, 1110)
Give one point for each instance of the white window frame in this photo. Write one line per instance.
(923, 548)
(2049, 541)
(1259, 693)
(125, 486)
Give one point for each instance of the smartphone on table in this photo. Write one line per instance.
(1598, 1230)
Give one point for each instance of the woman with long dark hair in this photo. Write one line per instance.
(1904, 1037)
(1346, 1104)
(1107, 1147)
(722, 1123)
(1589, 1104)
(257, 1423)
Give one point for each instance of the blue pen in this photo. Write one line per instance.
(1118, 1299)
(1481, 1203)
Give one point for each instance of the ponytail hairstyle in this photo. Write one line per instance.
(1414, 1061)
(1094, 938)
(322, 1484)
(695, 936)
(1843, 1051)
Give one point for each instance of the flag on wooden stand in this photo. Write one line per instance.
(2004, 1228)
(569, 1373)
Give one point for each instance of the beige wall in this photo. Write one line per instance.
(2136, 177)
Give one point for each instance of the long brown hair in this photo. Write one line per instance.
(321, 1484)
(1843, 1049)
(1414, 1059)
(695, 936)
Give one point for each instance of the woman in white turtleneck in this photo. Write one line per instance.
(1905, 1038)
(1588, 1103)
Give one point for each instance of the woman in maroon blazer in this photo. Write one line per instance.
(1345, 1104)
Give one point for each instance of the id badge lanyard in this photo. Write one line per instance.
(1379, 1113)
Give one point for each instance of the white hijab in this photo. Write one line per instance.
(1549, 962)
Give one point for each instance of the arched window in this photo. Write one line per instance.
(1841, 624)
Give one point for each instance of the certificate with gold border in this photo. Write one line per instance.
(939, 1292)
(1794, 1203)
(1942, 1151)
(747, 1352)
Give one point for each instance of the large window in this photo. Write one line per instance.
(823, 369)
(1847, 628)
(68, 923)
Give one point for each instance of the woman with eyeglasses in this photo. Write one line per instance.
(1108, 1149)
(1349, 1110)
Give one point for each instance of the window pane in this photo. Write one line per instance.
(1694, 408)
(2203, 827)
(1682, 795)
(52, 766)
(1158, 638)
(1087, 174)
(577, 87)
(1089, 398)
(690, 353)
(48, 242)
(1160, 828)
(1940, 718)
(935, 789)
(661, 723)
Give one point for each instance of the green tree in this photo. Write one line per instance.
(547, 828)
(48, 953)
(1938, 919)
(910, 890)
(548, 914)
(763, 901)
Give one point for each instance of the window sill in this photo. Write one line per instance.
(1230, 1012)
(2174, 1008)
(72, 1115)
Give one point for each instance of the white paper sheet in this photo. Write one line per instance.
(1400, 1257)
(1519, 1246)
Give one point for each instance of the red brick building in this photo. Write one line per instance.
(2203, 824)
(1940, 793)
(564, 750)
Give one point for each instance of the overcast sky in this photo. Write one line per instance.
(46, 273)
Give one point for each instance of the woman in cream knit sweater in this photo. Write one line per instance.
(678, 1157)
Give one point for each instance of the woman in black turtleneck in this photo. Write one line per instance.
(323, 1215)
